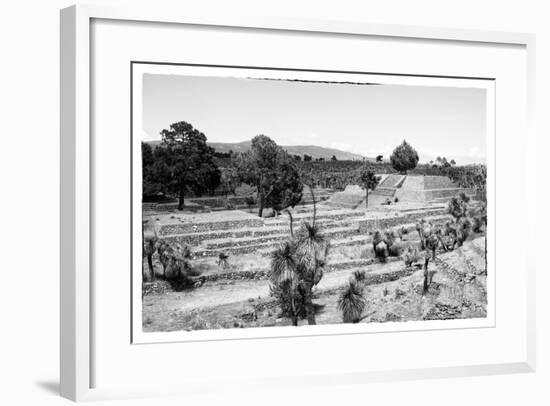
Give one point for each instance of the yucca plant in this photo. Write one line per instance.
(352, 302)
(420, 230)
(149, 248)
(150, 241)
(284, 279)
(164, 251)
(360, 276)
(299, 265)
(380, 246)
(477, 224)
(312, 251)
(223, 260)
(410, 256)
(463, 230)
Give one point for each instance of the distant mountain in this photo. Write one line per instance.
(312, 150)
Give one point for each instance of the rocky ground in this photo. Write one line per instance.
(237, 296)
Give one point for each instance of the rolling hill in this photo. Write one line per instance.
(312, 150)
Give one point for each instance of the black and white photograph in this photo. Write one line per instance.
(291, 200)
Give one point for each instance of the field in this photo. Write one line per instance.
(235, 293)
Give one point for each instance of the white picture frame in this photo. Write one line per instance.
(78, 351)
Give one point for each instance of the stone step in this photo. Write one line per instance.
(384, 191)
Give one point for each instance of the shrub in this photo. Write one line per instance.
(245, 190)
(352, 302)
(389, 237)
(458, 206)
(463, 231)
(401, 231)
(380, 247)
(223, 260)
(410, 256)
(477, 224)
(360, 276)
(180, 273)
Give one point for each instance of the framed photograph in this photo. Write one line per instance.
(245, 203)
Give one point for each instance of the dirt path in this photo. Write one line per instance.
(212, 294)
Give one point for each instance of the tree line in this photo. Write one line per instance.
(183, 164)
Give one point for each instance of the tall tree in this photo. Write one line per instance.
(369, 181)
(274, 173)
(404, 157)
(185, 162)
(286, 189)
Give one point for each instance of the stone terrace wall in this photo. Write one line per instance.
(438, 182)
(393, 220)
(170, 229)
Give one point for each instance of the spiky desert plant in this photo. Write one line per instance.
(180, 273)
(450, 232)
(419, 226)
(312, 252)
(360, 276)
(458, 206)
(410, 256)
(299, 264)
(284, 276)
(312, 245)
(389, 237)
(463, 230)
(289, 300)
(150, 240)
(163, 249)
(477, 223)
(426, 283)
(432, 242)
(223, 260)
(380, 247)
(352, 302)
(376, 239)
(401, 231)
(283, 263)
(439, 235)
(149, 248)
(176, 260)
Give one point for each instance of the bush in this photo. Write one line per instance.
(410, 256)
(477, 224)
(250, 201)
(245, 190)
(463, 231)
(360, 276)
(352, 302)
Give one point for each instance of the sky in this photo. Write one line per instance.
(363, 119)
